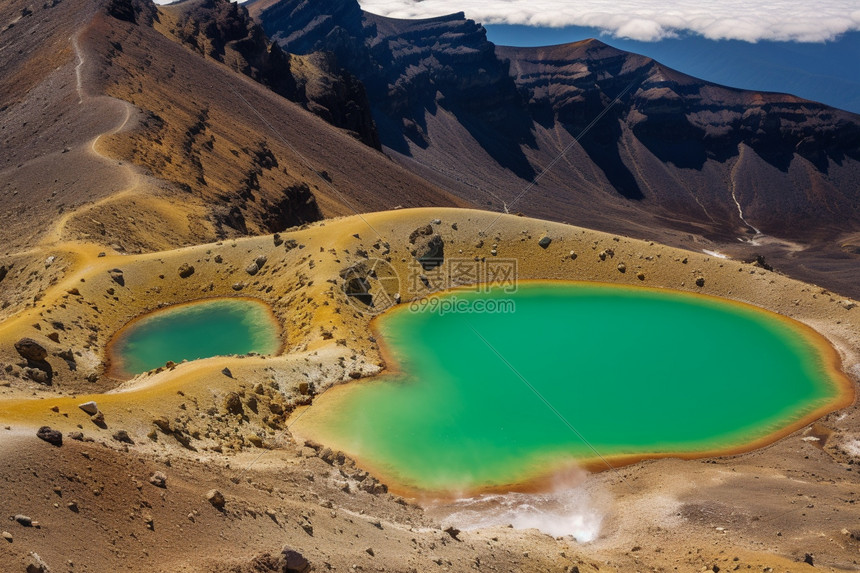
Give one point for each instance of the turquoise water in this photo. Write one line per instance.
(198, 330)
(632, 372)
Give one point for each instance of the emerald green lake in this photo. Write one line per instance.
(635, 372)
(198, 330)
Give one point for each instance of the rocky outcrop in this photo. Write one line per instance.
(688, 153)
(53, 437)
(428, 248)
(38, 368)
(224, 31)
(31, 350)
(410, 69)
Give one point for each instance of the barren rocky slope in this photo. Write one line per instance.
(674, 158)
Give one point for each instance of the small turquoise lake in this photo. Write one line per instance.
(576, 373)
(196, 330)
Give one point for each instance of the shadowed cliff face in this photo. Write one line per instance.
(224, 31)
(682, 121)
(413, 68)
(684, 153)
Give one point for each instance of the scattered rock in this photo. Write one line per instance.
(54, 336)
(7, 536)
(53, 437)
(453, 532)
(429, 248)
(89, 407)
(218, 259)
(238, 286)
(544, 241)
(226, 372)
(808, 559)
(98, 419)
(233, 403)
(37, 375)
(36, 565)
(216, 498)
(369, 551)
(640, 276)
(622, 268)
(24, 520)
(162, 424)
(847, 304)
(122, 436)
(294, 562)
(260, 261)
(185, 270)
(700, 281)
(116, 276)
(252, 269)
(31, 350)
(158, 479)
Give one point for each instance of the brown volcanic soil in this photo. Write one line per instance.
(216, 141)
(766, 508)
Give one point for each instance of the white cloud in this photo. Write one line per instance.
(651, 20)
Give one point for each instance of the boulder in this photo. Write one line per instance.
(294, 562)
(163, 424)
(252, 269)
(622, 268)
(122, 436)
(233, 404)
(185, 270)
(158, 479)
(37, 375)
(216, 498)
(98, 419)
(700, 281)
(544, 241)
(53, 437)
(116, 276)
(36, 565)
(24, 520)
(428, 247)
(31, 350)
(260, 261)
(90, 407)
